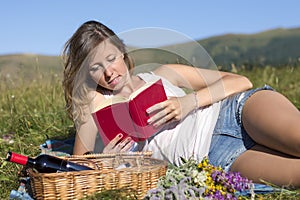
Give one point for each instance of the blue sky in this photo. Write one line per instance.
(42, 27)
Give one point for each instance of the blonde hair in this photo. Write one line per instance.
(77, 52)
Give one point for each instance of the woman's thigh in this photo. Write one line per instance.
(230, 139)
(272, 120)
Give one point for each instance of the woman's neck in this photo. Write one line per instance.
(131, 85)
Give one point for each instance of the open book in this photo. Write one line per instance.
(128, 115)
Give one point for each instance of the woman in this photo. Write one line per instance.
(255, 132)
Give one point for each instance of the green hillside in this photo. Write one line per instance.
(278, 47)
(12, 67)
(275, 47)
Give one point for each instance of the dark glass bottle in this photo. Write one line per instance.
(45, 163)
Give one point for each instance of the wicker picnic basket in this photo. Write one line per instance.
(136, 171)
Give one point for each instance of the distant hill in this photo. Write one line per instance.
(29, 66)
(274, 47)
(278, 47)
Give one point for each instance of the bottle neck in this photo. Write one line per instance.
(17, 158)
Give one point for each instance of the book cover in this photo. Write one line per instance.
(128, 116)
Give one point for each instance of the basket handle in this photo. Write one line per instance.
(95, 164)
(97, 167)
(119, 162)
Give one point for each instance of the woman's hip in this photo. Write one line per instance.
(230, 139)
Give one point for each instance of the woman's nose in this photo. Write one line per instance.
(108, 71)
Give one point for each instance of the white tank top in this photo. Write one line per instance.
(190, 137)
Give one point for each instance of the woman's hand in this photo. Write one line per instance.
(173, 109)
(118, 144)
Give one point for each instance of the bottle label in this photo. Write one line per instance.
(18, 158)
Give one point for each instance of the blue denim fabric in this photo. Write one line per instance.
(230, 139)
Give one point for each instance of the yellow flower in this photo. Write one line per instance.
(200, 165)
(219, 187)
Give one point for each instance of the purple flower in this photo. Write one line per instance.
(182, 183)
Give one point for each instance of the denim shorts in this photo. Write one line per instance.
(230, 139)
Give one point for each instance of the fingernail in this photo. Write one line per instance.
(120, 135)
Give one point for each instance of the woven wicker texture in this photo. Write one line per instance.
(136, 171)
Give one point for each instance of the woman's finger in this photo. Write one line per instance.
(166, 119)
(156, 108)
(161, 114)
(109, 148)
(124, 145)
(128, 146)
(116, 140)
(171, 111)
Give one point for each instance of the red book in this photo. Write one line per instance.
(128, 115)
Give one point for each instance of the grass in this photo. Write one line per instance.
(33, 110)
(285, 80)
(29, 113)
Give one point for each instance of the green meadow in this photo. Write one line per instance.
(32, 110)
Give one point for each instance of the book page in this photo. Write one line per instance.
(120, 99)
(110, 101)
(145, 86)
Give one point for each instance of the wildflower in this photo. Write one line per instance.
(199, 180)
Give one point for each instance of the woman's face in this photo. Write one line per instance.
(108, 68)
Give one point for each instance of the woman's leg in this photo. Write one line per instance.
(263, 164)
(273, 121)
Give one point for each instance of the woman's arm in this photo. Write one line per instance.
(85, 137)
(209, 86)
(87, 132)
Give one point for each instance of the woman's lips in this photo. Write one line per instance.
(114, 81)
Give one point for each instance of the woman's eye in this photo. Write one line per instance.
(111, 59)
(95, 68)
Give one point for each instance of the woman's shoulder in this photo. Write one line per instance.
(147, 76)
(96, 99)
(171, 72)
(94, 94)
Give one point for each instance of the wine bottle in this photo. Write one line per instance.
(45, 163)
